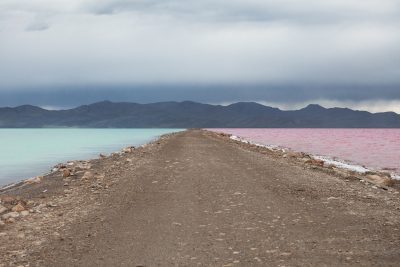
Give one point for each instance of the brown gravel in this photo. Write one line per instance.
(198, 199)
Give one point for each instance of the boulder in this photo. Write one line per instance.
(60, 166)
(66, 173)
(10, 220)
(34, 180)
(3, 209)
(295, 155)
(316, 162)
(128, 149)
(87, 175)
(18, 208)
(24, 213)
(380, 180)
(386, 174)
(84, 165)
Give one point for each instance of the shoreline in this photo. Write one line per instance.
(379, 178)
(43, 211)
(328, 160)
(54, 168)
(341, 164)
(382, 179)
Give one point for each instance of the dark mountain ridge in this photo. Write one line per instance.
(190, 114)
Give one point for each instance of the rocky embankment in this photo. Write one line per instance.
(380, 179)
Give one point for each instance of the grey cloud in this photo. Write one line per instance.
(306, 11)
(37, 26)
(290, 51)
(70, 95)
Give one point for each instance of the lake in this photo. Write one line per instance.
(25, 153)
(375, 148)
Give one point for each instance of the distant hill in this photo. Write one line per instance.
(193, 115)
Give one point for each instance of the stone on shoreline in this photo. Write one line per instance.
(225, 135)
(384, 174)
(19, 207)
(84, 165)
(380, 179)
(295, 154)
(66, 173)
(128, 149)
(115, 154)
(316, 162)
(34, 180)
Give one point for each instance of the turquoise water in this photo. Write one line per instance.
(25, 153)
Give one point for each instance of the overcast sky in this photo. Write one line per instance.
(281, 52)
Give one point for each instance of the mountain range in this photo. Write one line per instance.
(190, 114)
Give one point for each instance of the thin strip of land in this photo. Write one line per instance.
(198, 198)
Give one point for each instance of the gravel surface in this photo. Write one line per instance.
(196, 198)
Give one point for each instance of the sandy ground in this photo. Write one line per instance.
(196, 198)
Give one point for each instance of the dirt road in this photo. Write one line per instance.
(196, 199)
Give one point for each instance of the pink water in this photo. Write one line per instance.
(374, 148)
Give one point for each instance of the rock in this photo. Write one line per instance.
(18, 208)
(10, 220)
(316, 162)
(295, 155)
(66, 173)
(305, 159)
(34, 180)
(380, 180)
(330, 166)
(12, 214)
(80, 165)
(385, 174)
(3, 209)
(24, 213)
(87, 175)
(59, 167)
(332, 198)
(100, 177)
(2, 224)
(128, 149)
(51, 205)
(102, 156)
(9, 200)
(40, 207)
